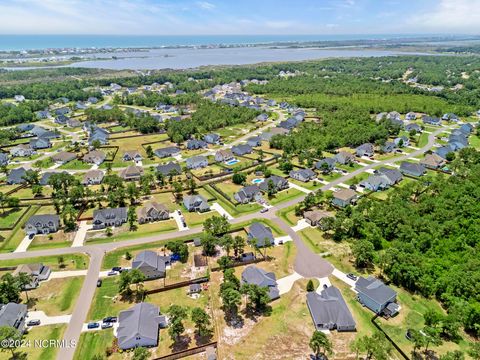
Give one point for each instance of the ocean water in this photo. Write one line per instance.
(33, 42)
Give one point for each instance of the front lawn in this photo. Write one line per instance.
(75, 165)
(93, 343)
(285, 195)
(70, 262)
(44, 352)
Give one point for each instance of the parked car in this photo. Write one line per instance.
(31, 236)
(93, 325)
(99, 282)
(33, 322)
(117, 268)
(353, 187)
(110, 319)
(107, 325)
(179, 212)
(264, 210)
(111, 273)
(352, 277)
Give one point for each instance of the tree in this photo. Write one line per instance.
(453, 355)
(128, 256)
(37, 190)
(61, 262)
(364, 253)
(209, 242)
(239, 178)
(418, 340)
(31, 177)
(271, 189)
(180, 248)
(149, 151)
(192, 186)
(224, 262)
(257, 296)
(24, 280)
(320, 344)
(238, 245)
(310, 286)
(132, 218)
(231, 300)
(136, 277)
(10, 339)
(216, 225)
(141, 353)
(202, 321)
(474, 350)
(132, 193)
(226, 242)
(432, 337)
(177, 189)
(177, 315)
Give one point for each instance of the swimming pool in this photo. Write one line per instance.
(232, 162)
(257, 181)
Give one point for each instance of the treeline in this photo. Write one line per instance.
(208, 117)
(151, 99)
(143, 123)
(427, 237)
(23, 112)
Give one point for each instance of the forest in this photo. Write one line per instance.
(427, 237)
(24, 112)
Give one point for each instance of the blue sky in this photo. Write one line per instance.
(199, 17)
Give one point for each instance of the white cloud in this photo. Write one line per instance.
(206, 5)
(458, 16)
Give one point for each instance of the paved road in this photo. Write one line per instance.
(307, 263)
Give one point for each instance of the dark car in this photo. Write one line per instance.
(110, 319)
(31, 236)
(33, 322)
(93, 325)
(352, 277)
(99, 282)
(117, 268)
(353, 187)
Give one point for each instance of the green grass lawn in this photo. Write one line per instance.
(310, 185)
(94, 343)
(17, 234)
(9, 216)
(288, 215)
(422, 140)
(76, 165)
(70, 261)
(285, 195)
(194, 219)
(357, 179)
(234, 210)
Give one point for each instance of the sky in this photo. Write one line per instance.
(242, 17)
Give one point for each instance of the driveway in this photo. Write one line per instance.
(285, 284)
(48, 320)
(81, 233)
(221, 210)
(23, 246)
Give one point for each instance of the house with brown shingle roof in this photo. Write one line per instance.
(152, 211)
(433, 161)
(131, 173)
(63, 157)
(344, 197)
(94, 157)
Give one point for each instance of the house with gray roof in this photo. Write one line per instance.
(248, 194)
(42, 224)
(433, 161)
(314, 217)
(4, 159)
(22, 150)
(73, 123)
(38, 272)
(109, 217)
(375, 183)
(366, 149)
(413, 126)
(150, 264)
(223, 155)
(329, 310)
(279, 183)
(138, 326)
(254, 141)
(412, 169)
(167, 151)
(44, 114)
(458, 141)
(344, 158)
(393, 175)
(211, 138)
(325, 165)
(428, 120)
(45, 178)
(63, 157)
(152, 211)
(195, 144)
(13, 315)
(261, 233)
(93, 177)
(40, 143)
(96, 133)
(262, 117)
(304, 175)
(169, 169)
(450, 117)
(257, 276)
(196, 203)
(410, 116)
(242, 149)
(402, 141)
(197, 162)
(61, 119)
(466, 129)
(375, 295)
(444, 151)
(131, 173)
(96, 157)
(16, 176)
(389, 147)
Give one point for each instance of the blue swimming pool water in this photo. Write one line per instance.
(257, 181)
(232, 162)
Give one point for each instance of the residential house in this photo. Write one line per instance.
(196, 203)
(13, 315)
(402, 141)
(167, 151)
(132, 155)
(279, 183)
(73, 123)
(94, 157)
(197, 162)
(42, 224)
(242, 149)
(303, 175)
(411, 116)
(412, 169)
(267, 135)
(169, 169)
(325, 165)
(109, 217)
(38, 130)
(138, 326)
(3, 159)
(289, 124)
(80, 106)
(344, 197)
(254, 141)
(389, 147)
(42, 114)
(433, 161)
(92, 100)
(131, 173)
(458, 142)
(262, 117)
(62, 111)
(444, 151)
(152, 265)
(413, 126)
(366, 149)
(19, 98)
(63, 157)
(44, 180)
(376, 296)
(248, 194)
(393, 175)
(98, 134)
(329, 310)
(152, 211)
(344, 158)
(314, 217)
(212, 138)
(195, 144)
(61, 119)
(223, 155)
(261, 233)
(450, 117)
(428, 120)
(93, 177)
(16, 176)
(40, 143)
(258, 276)
(38, 272)
(466, 129)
